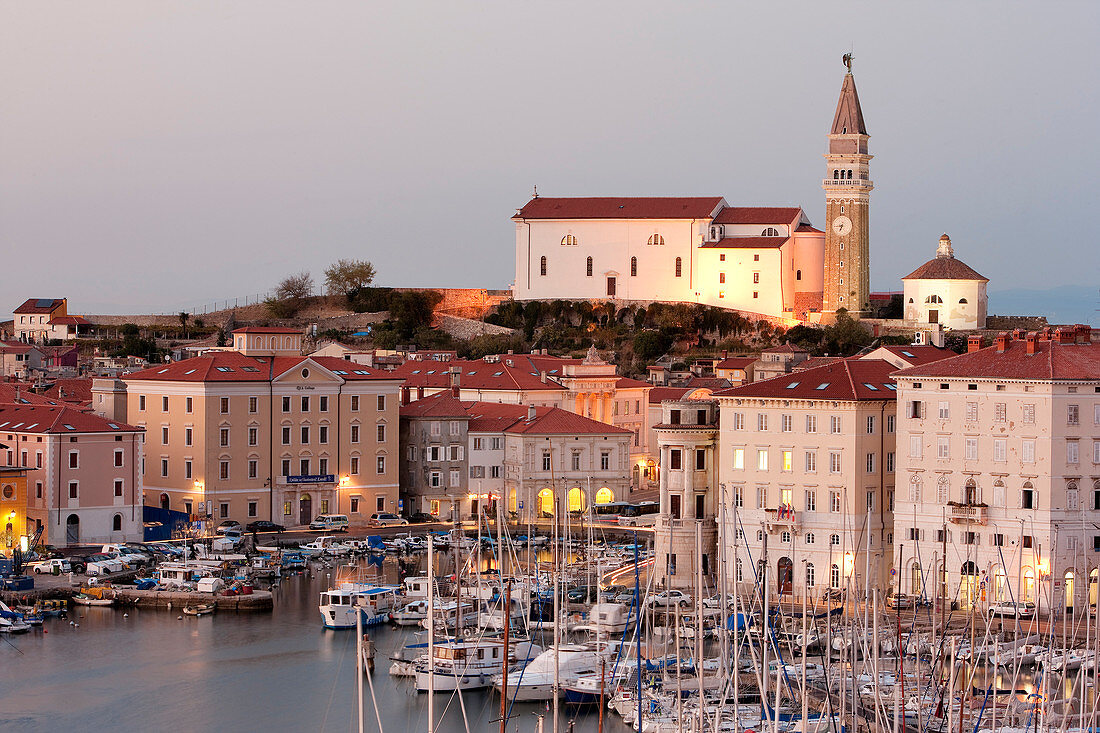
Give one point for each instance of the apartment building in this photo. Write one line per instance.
(84, 481)
(1000, 472)
(807, 464)
(685, 534)
(261, 432)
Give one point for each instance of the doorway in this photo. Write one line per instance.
(610, 287)
(933, 316)
(72, 530)
(305, 509)
(164, 501)
(674, 505)
(786, 575)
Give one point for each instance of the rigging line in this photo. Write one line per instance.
(335, 681)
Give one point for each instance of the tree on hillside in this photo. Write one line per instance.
(184, 318)
(347, 276)
(289, 295)
(648, 345)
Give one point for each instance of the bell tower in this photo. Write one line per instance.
(847, 184)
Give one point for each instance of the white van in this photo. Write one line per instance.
(330, 523)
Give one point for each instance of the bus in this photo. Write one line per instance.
(609, 512)
(642, 514)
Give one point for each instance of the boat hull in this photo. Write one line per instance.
(449, 682)
(343, 617)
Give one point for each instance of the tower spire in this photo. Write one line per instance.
(848, 119)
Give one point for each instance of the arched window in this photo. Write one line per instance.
(809, 575)
(970, 492)
(849, 174)
(569, 240)
(1029, 585)
(605, 496)
(739, 570)
(962, 301)
(836, 175)
(588, 267)
(542, 266)
(914, 489)
(546, 502)
(798, 274)
(770, 232)
(656, 239)
(679, 267)
(116, 523)
(910, 300)
(575, 500)
(834, 576)
(933, 299)
(942, 489)
(634, 267)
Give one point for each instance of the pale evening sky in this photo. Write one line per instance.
(156, 156)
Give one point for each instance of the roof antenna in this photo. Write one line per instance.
(536, 194)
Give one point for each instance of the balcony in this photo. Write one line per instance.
(968, 514)
(783, 518)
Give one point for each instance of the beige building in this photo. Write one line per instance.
(1000, 473)
(945, 291)
(807, 465)
(261, 432)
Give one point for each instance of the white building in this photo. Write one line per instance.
(1000, 472)
(945, 291)
(807, 464)
(764, 260)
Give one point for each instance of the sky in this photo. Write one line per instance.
(161, 156)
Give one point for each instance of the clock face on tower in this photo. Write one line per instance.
(842, 225)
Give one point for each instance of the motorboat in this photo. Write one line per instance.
(13, 626)
(411, 614)
(340, 605)
(327, 545)
(536, 680)
(200, 610)
(467, 664)
(83, 599)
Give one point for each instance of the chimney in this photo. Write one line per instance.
(1083, 333)
(542, 377)
(1002, 342)
(1032, 340)
(725, 354)
(1064, 335)
(456, 380)
(973, 343)
(1044, 333)
(530, 413)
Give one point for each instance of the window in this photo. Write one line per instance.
(762, 421)
(761, 498)
(675, 459)
(811, 461)
(286, 404)
(569, 240)
(787, 461)
(1072, 456)
(435, 479)
(380, 403)
(835, 465)
(355, 403)
(943, 447)
(634, 267)
(762, 459)
(542, 266)
(870, 501)
(354, 434)
(738, 458)
(834, 424)
(141, 402)
(810, 498)
(164, 404)
(890, 462)
(756, 278)
(285, 467)
(870, 424)
(494, 471)
(971, 449)
(870, 463)
(163, 466)
(1027, 451)
(835, 502)
(253, 468)
(700, 459)
(455, 478)
(118, 487)
(945, 410)
(811, 423)
(679, 267)
(74, 459)
(1000, 450)
(187, 469)
(303, 467)
(286, 435)
(999, 412)
(380, 432)
(916, 409)
(738, 421)
(834, 576)
(787, 423)
(1073, 416)
(163, 437)
(1028, 497)
(916, 446)
(588, 267)
(223, 437)
(546, 460)
(253, 405)
(971, 411)
(1072, 497)
(253, 436)
(223, 404)
(118, 458)
(355, 465)
(656, 240)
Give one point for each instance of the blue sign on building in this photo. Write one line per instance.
(321, 478)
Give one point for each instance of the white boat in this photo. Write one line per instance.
(467, 664)
(536, 680)
(12, 622)
(83, 599)
(340, 605)
(326, 545)
(411, 614)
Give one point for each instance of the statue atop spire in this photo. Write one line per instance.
(847, 59)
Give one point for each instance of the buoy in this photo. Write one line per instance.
(72, 623)
(78, 626)
(125, 615)
(179, 618)
(45, 631)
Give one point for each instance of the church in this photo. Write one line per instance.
(761, 260)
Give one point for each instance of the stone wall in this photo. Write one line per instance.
(467, 328)
(465, 302)
(1008, 323)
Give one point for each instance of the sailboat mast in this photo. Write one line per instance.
(431, 637)
(504, 664)
(699, 618)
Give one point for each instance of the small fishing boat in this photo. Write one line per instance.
(13, 626)
(83, 599)
(199, 610)
(340, 605)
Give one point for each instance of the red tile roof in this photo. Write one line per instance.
(757, 215)
(232, 366)
(16, 347)
(78, 390)
(808, 228)
(69, 321)
(657, 395)
(848, 379)
(816, 361)
(617, 207)
(628, 383)
(917, 355)
(267, 329)
(475, 375)
(747, 243)
(39, 305)
(20, 393)
(713, 383)
(945, 268)
(56, 419)
(441, 404)
(555, 421)
(735, 362)
(1050, 361)
(488, 417)
(785, 349)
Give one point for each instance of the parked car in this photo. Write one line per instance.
(581, 595)
(262, 525)
(669, 598)
(420, 517)
(1016, 609)
(77, 563)
(899, 600)
(50, 566)
(129, 555)
(384, 519)
(625, 596)
(227, 525)
(330, 522)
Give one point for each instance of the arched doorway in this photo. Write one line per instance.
(575, 499)
(72, 530)
(1029, 585)
(786, 575)
(116, 523)
(916, 580)
(605, 496)
(1069, 590)
(546, 503)
(1094, 578)
(164, 501)
(968, 590)
(305, 509)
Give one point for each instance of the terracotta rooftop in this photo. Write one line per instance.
(76, 390)
(808, 228)
(816, 361)
(945, 268)
(39, 305)
(735, 362)
(232, 366)
(555, 421)
(56, 419)
(747, 243)
(757, 215)
(509, 418)
(16, 347)
(917, 355)
(657, 395)
(69, 321)
(20, 393)
(1050, 361)
(627, 383)
(267, 329)
(475, 375)
(785, 349)
(702, 207)
(848, 379)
